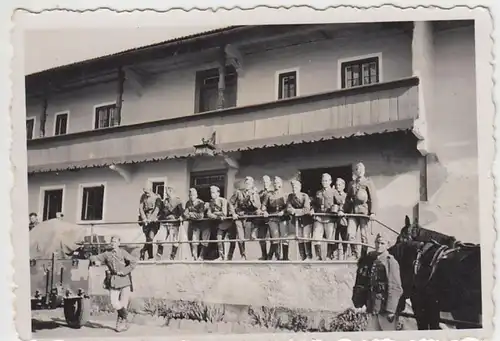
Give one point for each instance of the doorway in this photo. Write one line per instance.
(311, 178)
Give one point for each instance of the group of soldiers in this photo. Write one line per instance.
(333, 213)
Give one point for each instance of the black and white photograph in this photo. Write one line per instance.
(267, 179)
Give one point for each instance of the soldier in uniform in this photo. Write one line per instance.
(33, 220)
(299, 207)
(263, 224)
(382, 289)
(323, 225)
(245, 201)
(149, 209)
(194, 211)
(275, 203)
(361, 199)
(220, 208)
(171, 210)
(118, 279)
(339, 197)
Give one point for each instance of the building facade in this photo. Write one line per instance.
(292, 101)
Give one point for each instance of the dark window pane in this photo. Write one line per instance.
(61, 124)
(92, 203)
(30, 126)
(52, 203)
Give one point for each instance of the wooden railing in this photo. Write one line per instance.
(368, 109)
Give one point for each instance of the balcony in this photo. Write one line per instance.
(376, 108)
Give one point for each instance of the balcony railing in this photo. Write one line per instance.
(376, 108)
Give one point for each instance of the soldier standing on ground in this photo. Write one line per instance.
(275, 203)
(361, 199)
(339, 197)
(299, 207)
(323, 225)
(219, 208)
(384, 287)
(118, 279)
(172, 210)
(149, 208)
(245, 202)
(194, 211)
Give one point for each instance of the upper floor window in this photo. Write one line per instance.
(30, 127)
(207, 89)
(106, 116)
(61, 123)
(287, 84)
(360, 72)
(92, 202)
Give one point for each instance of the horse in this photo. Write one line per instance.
(438, 274)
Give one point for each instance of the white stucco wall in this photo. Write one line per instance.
(172, 94)
(452, 126)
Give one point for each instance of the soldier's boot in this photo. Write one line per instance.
(194, 253)
(241, 246)
(150, 251)
(119, 318)
(220, 248)
(329, 251)
(230, 253)
(142, 254)
(159, 252)
(125, 322)
(309, 250)
(263, 251)
(203, 250)
(285, 252)
(317, 252)
(272, 251)
(173, 253)
(302, 251)
(340, 253)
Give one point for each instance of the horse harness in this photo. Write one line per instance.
(440, 254)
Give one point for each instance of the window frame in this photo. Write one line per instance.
(41, 198)
(94, 114)
(34, 127)
(79, 206)
(277, 83)
(216, 172)
(359, 59)
(158, 179)
(56, 115)
(202, 75)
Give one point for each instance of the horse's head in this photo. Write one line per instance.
(409, 231)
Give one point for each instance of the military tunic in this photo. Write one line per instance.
(384, 291)
(299, 206)
(361, 196)
(172, 209)
(274, 203)
(246, 202)
(323, 203)
(120, 266)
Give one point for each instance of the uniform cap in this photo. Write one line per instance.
(248, 178)
(193, 190)
(266, 177)
(380, 238)
(295, 182)
(214, 188)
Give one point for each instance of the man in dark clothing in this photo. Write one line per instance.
(381, 290)
(245, 201)
(194, 211)
(361, 199)
(220, 208)
(118, 279)
(149, 208)
(275, 203)
(172, 209)
(263, 224)
(339, 197)
(323, 225)
(299, 207)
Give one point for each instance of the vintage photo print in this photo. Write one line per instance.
(284, 179)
